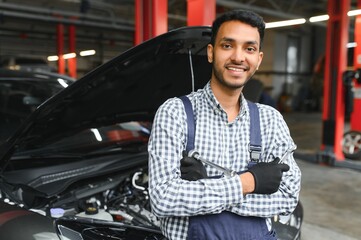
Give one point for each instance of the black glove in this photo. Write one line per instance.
(191, 168)
(268, 176)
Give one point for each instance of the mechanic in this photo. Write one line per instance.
(195, 201)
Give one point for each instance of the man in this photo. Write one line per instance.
(214, 207)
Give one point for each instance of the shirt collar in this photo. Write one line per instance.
(211, 99)
(216, 106)
(244, 105)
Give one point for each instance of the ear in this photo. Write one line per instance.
(210, 53)
(260, 57)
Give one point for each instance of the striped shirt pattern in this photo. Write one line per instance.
(174, 200)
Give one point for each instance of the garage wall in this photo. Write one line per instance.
(273, 71)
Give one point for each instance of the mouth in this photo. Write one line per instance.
(237, 69)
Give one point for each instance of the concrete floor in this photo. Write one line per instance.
(331, 196)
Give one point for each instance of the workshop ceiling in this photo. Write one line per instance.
(109, 24)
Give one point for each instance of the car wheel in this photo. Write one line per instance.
(351, 145)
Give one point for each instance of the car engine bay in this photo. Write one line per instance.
(113, 205)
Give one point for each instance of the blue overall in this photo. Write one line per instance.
(227, 225)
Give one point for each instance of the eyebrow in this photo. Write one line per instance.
(227, 39)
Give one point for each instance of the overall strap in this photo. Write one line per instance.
(190, 123)
(255, 145)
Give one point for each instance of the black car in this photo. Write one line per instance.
(80, 159)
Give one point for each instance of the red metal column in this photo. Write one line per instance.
(138, 31)
(201, 12)
(72, 61)
(159, 17)
(147, 23)
(60, 48)
(335, 64)
(151, 19)
(356, 114)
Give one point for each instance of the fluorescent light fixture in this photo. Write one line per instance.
(285, 23)
(326, 17)
(97, 134)
(53, 58)
(319, 18)
(62, 82)
(69, 55)
(351, 44)
(87, 53)
(15, 67)
(354, 12)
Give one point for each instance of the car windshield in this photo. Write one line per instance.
(19, 98)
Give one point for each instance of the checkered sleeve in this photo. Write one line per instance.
(276, 140)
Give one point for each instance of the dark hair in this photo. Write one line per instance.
(248, 17)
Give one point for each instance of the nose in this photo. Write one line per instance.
(238, 55)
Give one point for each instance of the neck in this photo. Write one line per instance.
(228, 98)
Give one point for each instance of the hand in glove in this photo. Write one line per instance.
(268, 176)
(191, 168)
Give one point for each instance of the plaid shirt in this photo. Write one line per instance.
(225, 143)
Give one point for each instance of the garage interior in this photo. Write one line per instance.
(295, 61)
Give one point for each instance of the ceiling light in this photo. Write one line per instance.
(354, 12)
(53, 58)
(69, 55)
(14, 67)
(351, 45)
(285, 23)
(87, 53)
(319, 18)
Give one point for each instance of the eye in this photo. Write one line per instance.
(251, 49)
(226, 45)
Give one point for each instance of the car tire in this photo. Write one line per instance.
(351, 145)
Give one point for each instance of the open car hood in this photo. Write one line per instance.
(130, 87)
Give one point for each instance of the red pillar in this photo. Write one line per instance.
(72, 49)
(335, 65)
(138, 32)
(151, 19)
(159, 17)
(201, 12)
(60, 48)
(356, 114)
(147, 21)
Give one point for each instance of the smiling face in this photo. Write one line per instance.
(235, 55)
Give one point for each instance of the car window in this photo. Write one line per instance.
(19, 98)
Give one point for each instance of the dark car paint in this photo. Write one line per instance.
(17, 224)
(93, 229)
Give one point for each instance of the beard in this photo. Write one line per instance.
(218, 74)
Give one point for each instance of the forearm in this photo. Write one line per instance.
(172, 196)
(283, 201)
(248, 183)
